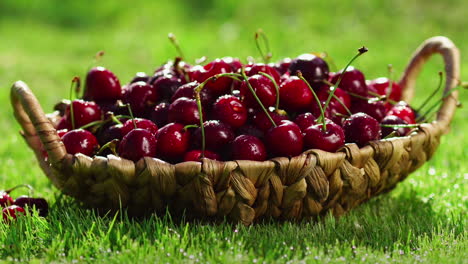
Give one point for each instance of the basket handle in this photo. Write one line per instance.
(451, 56)
(28, 112)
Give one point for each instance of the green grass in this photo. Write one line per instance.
(46, 43)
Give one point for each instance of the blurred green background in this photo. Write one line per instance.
(47, 42)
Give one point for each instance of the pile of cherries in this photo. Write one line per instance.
(228, 110)
(11, 209)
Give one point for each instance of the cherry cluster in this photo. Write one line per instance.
(228, 110)
(11, 209)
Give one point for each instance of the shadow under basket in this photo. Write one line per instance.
(305, 186)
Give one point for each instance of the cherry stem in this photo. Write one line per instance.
(361, 51)
(441, 78)
(392, 134)
(91, 124)
(256, 97)
(342, 104)
(29, 187)
(112, 145)
(266, 57)
(276, 87)
(116, 118)
(327, 58)
(175, 42)
(75, 81)
(180, 70)
(190, 126)
(131, 115)
(317, 100)
(390, 82)
(447, 94)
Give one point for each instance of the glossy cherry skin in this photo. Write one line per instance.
(40, 204)
(218, 136)
(185, 111)
(376, 109)
(160, 114)
(251, 130)
(221, 85)
(305, 120)
(282, 66)
(284, 140)
(230, 110)
(12, 212)
(353, 81)
(138, 143)
(335, 105)
(329, 140)
(166, 86)
(63, 123)
(102, 85)
(173, 141)
(140, 77)
(109, 133)
(245, 147)
(188, 90)
(263, 88)
(129, 125)
(262, 122)
(195, 155)
(361, 128)
(295, 95)
(80, 141)
(403, 111)
(381, 86)
(235, 63)
(141, 96)
(257, 68)
(394, 120)
(313, 68)
(83, 112)
(5, 199)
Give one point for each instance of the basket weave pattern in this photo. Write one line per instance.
(305, 186)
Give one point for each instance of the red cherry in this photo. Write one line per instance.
(235, 63)
(361, 128)
(381, 86)
(109, 133)
(64, 124)
(12, 212)
(403, 111)
(195, 155)
(83, 112)
(40, 204)
(160, 113)
(188, 90)
(138, 143)
(141, 97)
(80, 141)
(251, 130)
(295, 95)
(376, 109)
(282, 67)
(140, 77)
(140, 123)
(173, 140)
(263, 88)
(284, 140)
(166, 86)
(230, 110)
(353, 81)
(218, 136)
(305, 120)
(102, 85)
(262, 122)
(330, 140)
(394, 120)
(313, 68)
(221, 85)
(245, 147)
(185, 111)
(5, 199)
(257, 68)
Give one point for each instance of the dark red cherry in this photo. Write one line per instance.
(40, 204)
(394, 120)
(166, 86)
(221, 85)
(284, 140)
(5, 199)
(64, 124)
(141, 97)
(140, 123)
(188, 90)
(403, 111)
(196, 73)
(295, 95)
(230, 110)
(102, 85)
(235, 63)
(173, 141)
(195, 155)
(313, 68)
(80, 141)
(361, 128)
(305, 120)
(353, 81)
(251, 130)
(330, 140)
(282, 67)
(218, 136)
(246, 147)
(381, 86)
(185, 111)
(109, 133)
(83, 112)
(263, 88)
(335, 105)
(62, 132)
(262, 122)
(140, 77)
(138, 143)
(160, 113)
(376, 109)
(257, 68)
(12, 212)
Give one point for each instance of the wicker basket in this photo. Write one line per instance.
(305, 186)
